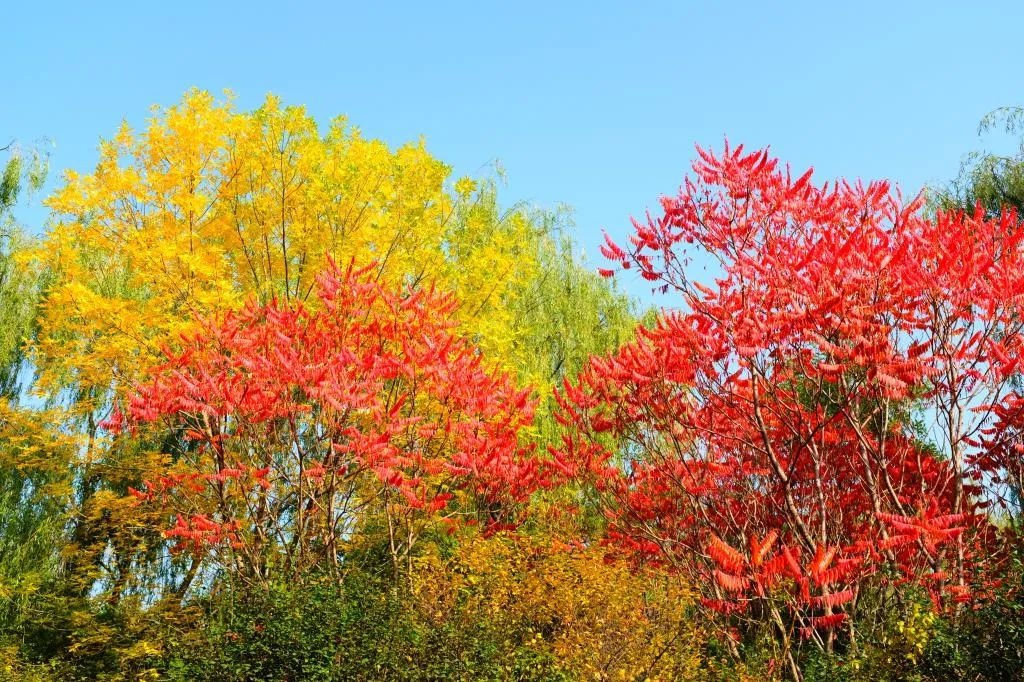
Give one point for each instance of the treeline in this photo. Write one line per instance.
(282, 402)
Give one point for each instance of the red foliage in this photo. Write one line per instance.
(297, 426)
(774, 410)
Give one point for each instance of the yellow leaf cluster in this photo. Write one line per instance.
(32, 444)
(209, 206)
(600, 619)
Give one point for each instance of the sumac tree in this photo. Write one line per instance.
(299, 433)
(821, 418)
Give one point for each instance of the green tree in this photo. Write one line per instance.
(33, 471)
(996, 181)
(19, 285)
(569, 315)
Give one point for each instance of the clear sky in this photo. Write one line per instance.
(592, 104)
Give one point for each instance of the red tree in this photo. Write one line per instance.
(300, 430)
(819, 410)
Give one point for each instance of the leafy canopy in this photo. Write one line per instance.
(767, 442)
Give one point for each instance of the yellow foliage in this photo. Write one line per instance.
(208, 206)
(903, 641)
(600, 619)
(32, 444)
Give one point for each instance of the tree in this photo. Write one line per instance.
(566, 315)
(18, 173)
(771, 438)
(19, 285)
(34, 455)
(995, 181)
(301, 428)
(209, 206)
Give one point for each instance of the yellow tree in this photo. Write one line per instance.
(209, 206)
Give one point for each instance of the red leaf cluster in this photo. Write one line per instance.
(783, 399)
(296, 424)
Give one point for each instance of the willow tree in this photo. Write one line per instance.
(33, 456)
(995, 181)
(19, 285)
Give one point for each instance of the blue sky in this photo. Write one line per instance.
(595, 105)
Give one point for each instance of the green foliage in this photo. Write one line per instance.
(20, 284)
(19, 172)
(986, 643)
(568, 315)
(364, 629)
(30, 529)
(911, 643)
(996, 181)
(32, 474)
